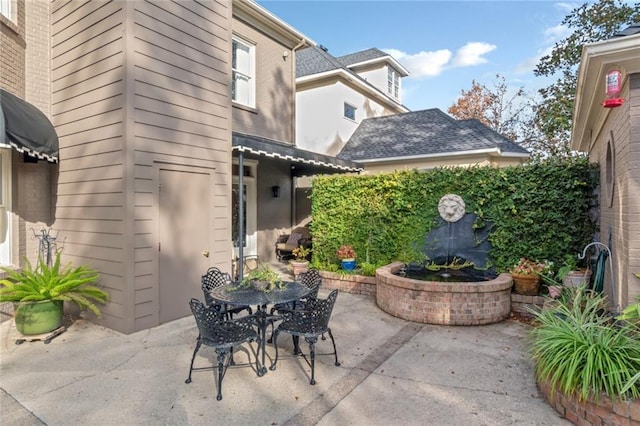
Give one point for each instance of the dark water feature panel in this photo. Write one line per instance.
(464, 275)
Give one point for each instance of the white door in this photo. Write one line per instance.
(185, 200)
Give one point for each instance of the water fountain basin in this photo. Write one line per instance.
(444, 303)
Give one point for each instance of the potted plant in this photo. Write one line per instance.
(262, 278)
(38, 294)
(526, 275)
(571, 274)
(347, 256)
(300, 262)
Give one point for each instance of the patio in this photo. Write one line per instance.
(392, 372)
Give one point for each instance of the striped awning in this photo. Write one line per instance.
(26, 129)
(303, 163)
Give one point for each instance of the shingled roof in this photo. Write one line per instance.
(362, 56)
(422, 133)
(316, 60)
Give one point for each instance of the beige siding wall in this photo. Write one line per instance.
(273, 115)
(620, 222)
(181, 115)
(88, 99)
(136, 84)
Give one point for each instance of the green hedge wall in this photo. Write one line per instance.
(540, 211)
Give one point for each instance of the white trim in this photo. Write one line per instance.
(439, 155)
(23, 150)
(251, 230)
(270, 154)
(6, 9)
(249, 73)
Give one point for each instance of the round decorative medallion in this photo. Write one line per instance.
(451, 208)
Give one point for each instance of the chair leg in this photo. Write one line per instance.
(312, 351)
(222, 368)
(335, 351)
(193, 357)
(274, 336)
(296, 345)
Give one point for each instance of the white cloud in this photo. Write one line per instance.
(433, 63)
(422, 64)
(472, 54)
(556, 33)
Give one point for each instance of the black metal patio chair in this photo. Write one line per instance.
(221, 334)
(215, 278)
(310, 323)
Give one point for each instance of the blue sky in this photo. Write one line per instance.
(444, 44)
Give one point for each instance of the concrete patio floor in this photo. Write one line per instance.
(393, 372)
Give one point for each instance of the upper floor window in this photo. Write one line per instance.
(350, 111)
(243, 85)
(393, 83)
(5, 8)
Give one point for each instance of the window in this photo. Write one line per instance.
(350, 111)
(393, 83)
(5, 8)
(243, 68)
(5, 207)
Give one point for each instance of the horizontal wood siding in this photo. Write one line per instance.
(87, 71)
(181, 105)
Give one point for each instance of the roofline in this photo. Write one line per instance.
(387, 58)
(447, 154)
(596, 60)
(356, 80)
(256, 11)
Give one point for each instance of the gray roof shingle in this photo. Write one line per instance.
(315, 60)
(631, 30)
(421, 133)
(362, 56)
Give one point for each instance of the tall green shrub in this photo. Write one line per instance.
(539, 211)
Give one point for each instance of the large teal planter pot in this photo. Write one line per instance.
(348, 264)
(38, 317)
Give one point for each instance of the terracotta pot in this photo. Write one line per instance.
(297, 267)
(577, 278)
(528, 285)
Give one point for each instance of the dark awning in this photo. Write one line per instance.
(303, 163)
(26, 129)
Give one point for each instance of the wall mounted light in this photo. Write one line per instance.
(275, 190)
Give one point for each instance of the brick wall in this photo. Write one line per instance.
(589, 412)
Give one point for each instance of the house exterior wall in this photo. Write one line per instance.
(136, 84)
(619, 220)
(377, 76)
(24, 71)
(321, 125)
(272, 117)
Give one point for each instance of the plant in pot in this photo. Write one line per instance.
(526, 275)
(38, 293)
(300, 262)
(347, 256)
(579, 351)
(572, 274)
(262, 278)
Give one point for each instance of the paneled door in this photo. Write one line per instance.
(185, 201)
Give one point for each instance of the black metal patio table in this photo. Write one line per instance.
(230, 294)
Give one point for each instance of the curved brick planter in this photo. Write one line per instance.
(448, 303)
(589, 412)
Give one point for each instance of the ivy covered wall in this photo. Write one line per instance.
(541, 211)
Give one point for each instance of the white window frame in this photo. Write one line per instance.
(251, 212)
(6, 9)
(5, 207)
(355, 111)
(243, 67)
(393, 83)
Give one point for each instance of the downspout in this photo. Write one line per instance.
(303, 42)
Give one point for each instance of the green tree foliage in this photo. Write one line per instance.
(589, 23)
(539, 211)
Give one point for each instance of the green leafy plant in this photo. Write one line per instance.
(579, 350)
(300, 253)
(263, 273)
(56, 282)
